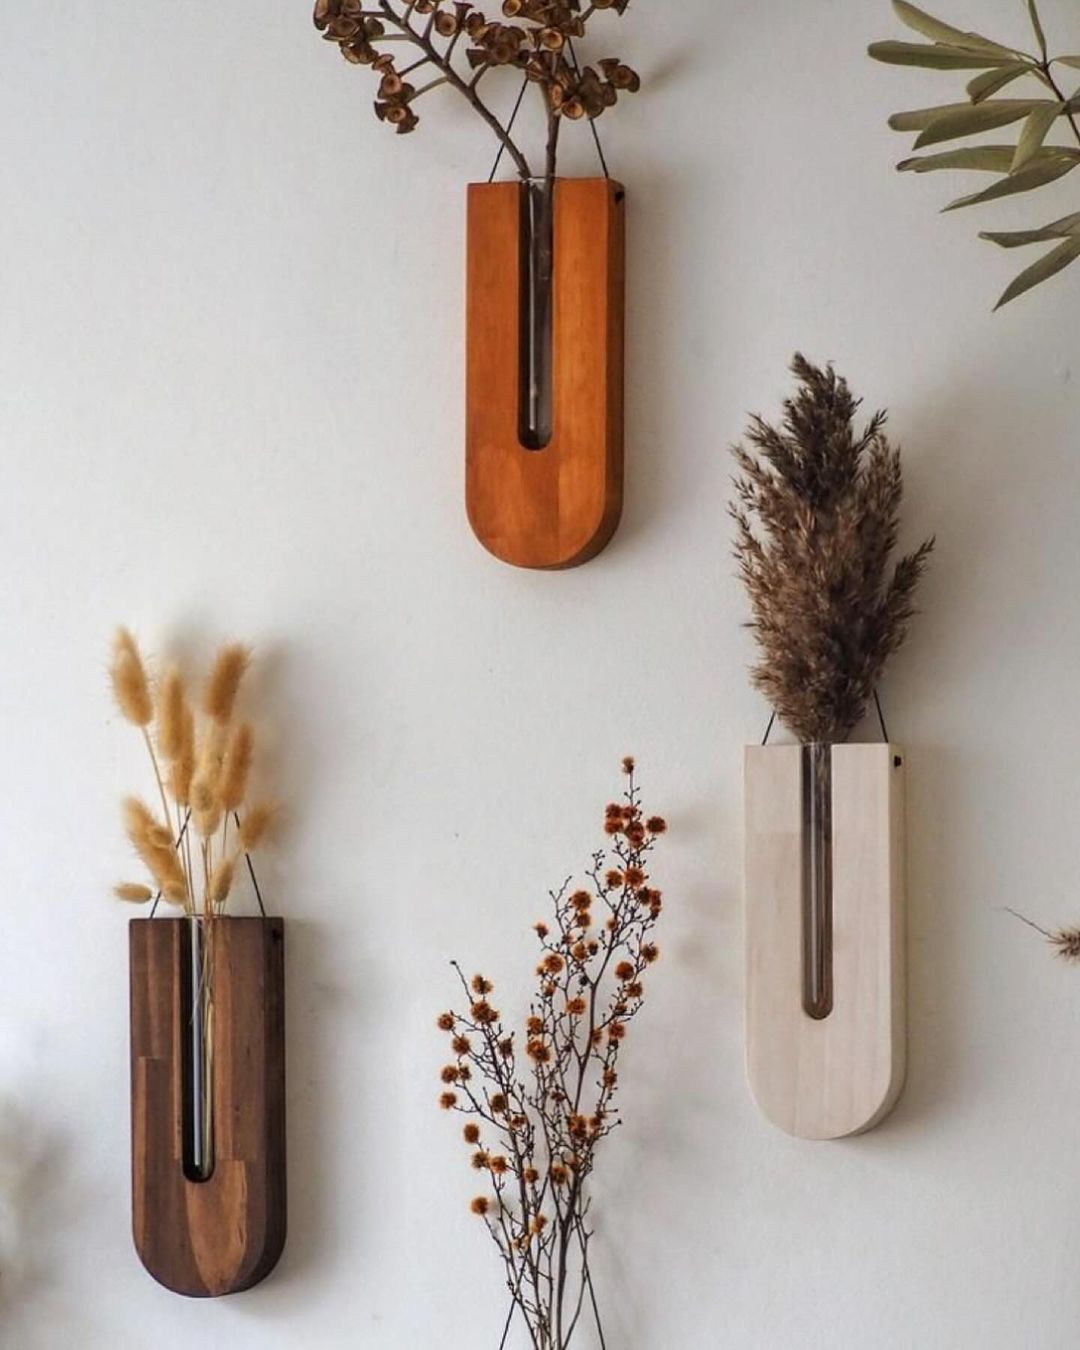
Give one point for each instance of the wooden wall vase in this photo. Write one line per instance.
(823, 1077)
(224, 1234)
(556, 506)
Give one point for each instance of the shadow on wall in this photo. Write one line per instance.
(32, 1179)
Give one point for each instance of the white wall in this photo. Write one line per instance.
(231, 403)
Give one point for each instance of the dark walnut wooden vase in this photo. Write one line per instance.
(223, 1234)
(555, 506)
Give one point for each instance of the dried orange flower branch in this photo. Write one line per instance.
(201, 759)
(537, 1106)
(454, 44)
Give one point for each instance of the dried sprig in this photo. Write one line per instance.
(1035, 159)
(453, 43)
(827, 613)
(539, 1100)
(1065, 941)
(202, 767)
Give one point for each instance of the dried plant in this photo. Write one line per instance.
(451, 43)
(535, 1114)
(827, 612)
(1033, 162)
(201, 769)
(1065, 941)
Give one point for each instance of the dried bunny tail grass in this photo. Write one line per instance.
(131, 688)
(257, 825)
(153, 843)
(182, 768)
(208, 821)
(172, 715)
(132, 893)
(220, 883)
(236, 767)
(143, 826)
(224, 682)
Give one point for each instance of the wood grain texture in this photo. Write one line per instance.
(559, 506)
(843, 1074)
(224, 1234)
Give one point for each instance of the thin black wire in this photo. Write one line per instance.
(251, 872)
(592, 120)
(509, 128)
(179, 841)
(880, 717)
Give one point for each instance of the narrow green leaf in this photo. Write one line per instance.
(1034, 175)
(1073, 61)
(992, 158)
(990, 81)
(1059, 229)
(936, 56)
(1036, 23)
(1036, 129)
(969, 119)
(1047, 266)
(937, 31)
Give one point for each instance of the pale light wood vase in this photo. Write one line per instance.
(837, 1075)
(557, 506)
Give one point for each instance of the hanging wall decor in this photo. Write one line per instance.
(207, 994)
(1041, 108)
(545, 264)
(816, 523)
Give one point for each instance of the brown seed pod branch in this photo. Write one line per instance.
(454, 43)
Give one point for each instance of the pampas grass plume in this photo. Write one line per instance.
(221, 688)
(130, 684)
(236, 767)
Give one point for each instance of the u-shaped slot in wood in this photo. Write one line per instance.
(224, 1234)
(557, 506)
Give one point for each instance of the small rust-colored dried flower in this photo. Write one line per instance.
(576, 1007)
(581, 899)
(613, 878)
(541, 930)
(471, 1133)
(446, 1021)
(613, 811)
(498, 1165)
(628, 764)
(480, 1205)
(656, 824)
(616, 1031)
(625, 970)
(479, 1160)
(483, 1013)
(650, 952)
(448, 1101)
(461, 1045)
(539, 1051)
(506, 1048)
(827, 611)
(534, 1025)
(450, 1073)
(498, 1103)
(553, 963)
(480, 985)
(634, 876)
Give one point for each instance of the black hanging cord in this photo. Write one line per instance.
(509, 128)
(877, 706)
(592, 120)
(247, 859)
